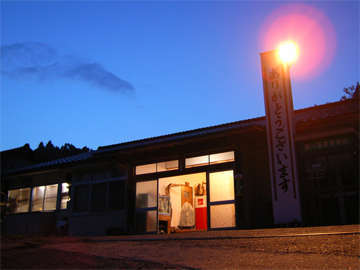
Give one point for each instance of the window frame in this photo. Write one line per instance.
(209, 162)
(156, 165)
(28, 200)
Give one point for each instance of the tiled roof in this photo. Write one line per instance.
(184, 135)
(302, 115)
(326, 111)
(60, 161)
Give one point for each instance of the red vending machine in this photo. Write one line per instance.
(201, 213)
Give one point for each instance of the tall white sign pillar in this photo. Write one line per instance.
(280, 139)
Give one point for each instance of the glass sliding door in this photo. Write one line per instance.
(146, 206)
(222, 199)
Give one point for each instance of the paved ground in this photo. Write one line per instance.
(335, 247)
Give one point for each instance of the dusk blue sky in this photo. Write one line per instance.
(95, 73)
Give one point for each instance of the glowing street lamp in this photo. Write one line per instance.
(280, 133)
(288, 52)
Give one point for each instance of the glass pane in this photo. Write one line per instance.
(222, 216)
(146, 221)
(37, 199)
(50, 197)
(65, 188)
(196, 161)
(151, 221)
(222, 157)
(65, 198)
(146, 194)
(221, 186)
(143, 169)
(98, 197)
(19, 200)
(81, 198)
(117, 195)
(64, 201)
(12, 195)
(24, 200)
(167, 165)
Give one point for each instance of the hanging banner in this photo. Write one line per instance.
(280, 139)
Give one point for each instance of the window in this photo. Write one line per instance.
(222, 157)
(81, 198)
(44, 198)
(98, 197)
(37, 203)
(146, 194)
(116, 195)
(143, 169)
(50, 197)
(222, 199)
(146, 204)
(222, 216)
(197, 161)
(327, 143)
(167, 166)
(222, 186)
(157, 167)
(209, 159)
(65, 197)
(118, 172)
(19, 200)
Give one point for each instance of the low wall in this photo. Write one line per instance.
(98, 223)
(31, 223)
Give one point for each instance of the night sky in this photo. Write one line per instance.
(97, 73)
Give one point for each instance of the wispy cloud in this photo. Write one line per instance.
(39, 60)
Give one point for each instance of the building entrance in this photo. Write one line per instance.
(190, 202)
(182, 203)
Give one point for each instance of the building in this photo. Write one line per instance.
(204, 179)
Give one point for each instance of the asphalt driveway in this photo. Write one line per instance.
(333, 247)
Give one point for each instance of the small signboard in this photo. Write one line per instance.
(280, 138)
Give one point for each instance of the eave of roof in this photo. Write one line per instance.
(56, 162)
(302, 115)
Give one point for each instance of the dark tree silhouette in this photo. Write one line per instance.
(351, 92)
(51, 152)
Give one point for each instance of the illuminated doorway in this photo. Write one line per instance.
(189, 202)
(182, 203)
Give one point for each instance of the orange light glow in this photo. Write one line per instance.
(309, 29)
(288, 52)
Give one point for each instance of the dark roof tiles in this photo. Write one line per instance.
(302, 115)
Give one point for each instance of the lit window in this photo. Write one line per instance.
(222, 216)
(19, 200)
(143, 169)
(210, 159)
(222, 157)
(157, 167)
(44, 198)
(65, 197)
(167, 166)
(37, 203)
(146, 194)
(50, 197)
(221, 186)
(197, 161)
